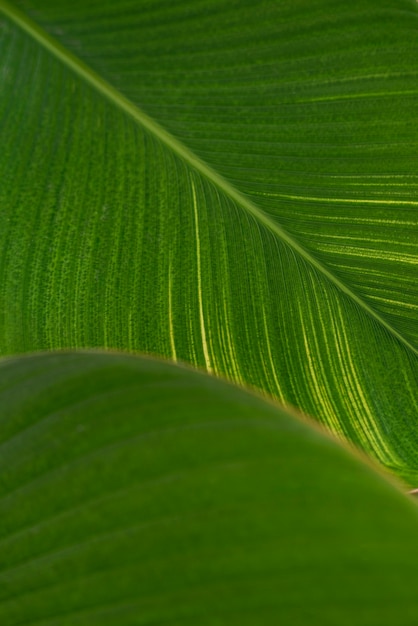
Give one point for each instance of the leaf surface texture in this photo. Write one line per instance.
(229, 185)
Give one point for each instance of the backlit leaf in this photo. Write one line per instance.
(228, 184)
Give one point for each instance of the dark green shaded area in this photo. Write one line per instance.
(138, 492)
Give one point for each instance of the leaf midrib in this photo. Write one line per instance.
(153, 127)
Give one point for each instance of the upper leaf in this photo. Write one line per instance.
(268, 237)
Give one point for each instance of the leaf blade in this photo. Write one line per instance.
(177, 496)
(119, 265)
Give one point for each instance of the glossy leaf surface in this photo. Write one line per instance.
(139, 492)
(233, 185)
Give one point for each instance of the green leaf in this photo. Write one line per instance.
(135, 491)
(228, 184)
